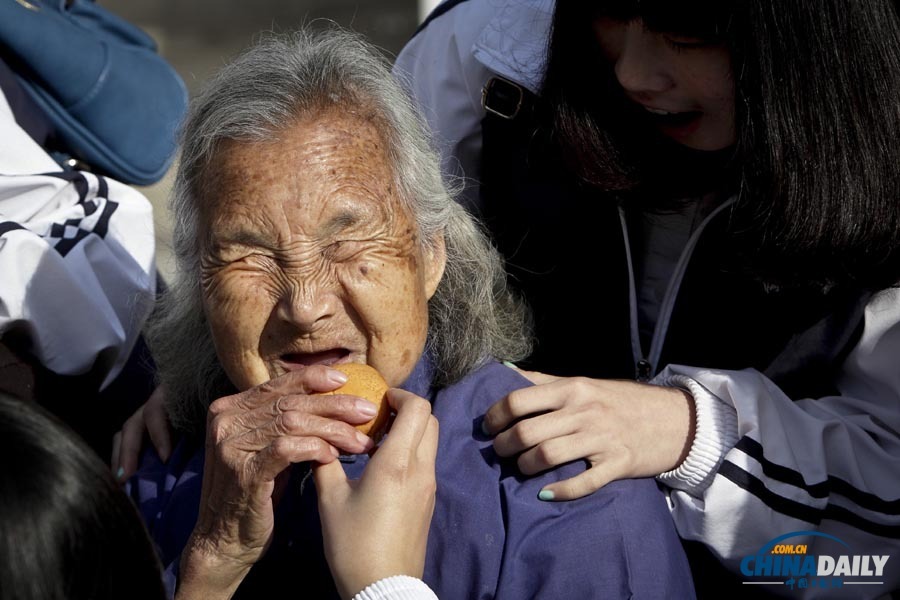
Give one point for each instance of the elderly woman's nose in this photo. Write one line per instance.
(641, 60)
(307, 306)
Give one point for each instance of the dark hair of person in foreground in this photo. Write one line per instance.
(67, 531)
(816, 161)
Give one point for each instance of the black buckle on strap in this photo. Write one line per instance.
(502, 98)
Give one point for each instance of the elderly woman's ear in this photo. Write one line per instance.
(435, 256)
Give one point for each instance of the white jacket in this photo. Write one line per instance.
(762, 464)
(77, 271)
(398, 587)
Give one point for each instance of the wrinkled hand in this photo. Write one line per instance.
(127, 443)
(251, 438)
(377, 527)
(623, 429)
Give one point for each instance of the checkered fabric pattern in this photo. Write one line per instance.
(95, 207)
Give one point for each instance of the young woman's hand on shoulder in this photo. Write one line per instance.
(623, 429)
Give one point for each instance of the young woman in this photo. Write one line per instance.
(703, 196)
(66, 529)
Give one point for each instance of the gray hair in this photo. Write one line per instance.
(473, 316)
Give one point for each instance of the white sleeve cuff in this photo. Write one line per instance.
(399, 587)
(716, 434)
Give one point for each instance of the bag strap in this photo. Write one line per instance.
(505, 99)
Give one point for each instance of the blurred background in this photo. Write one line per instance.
(199, 36)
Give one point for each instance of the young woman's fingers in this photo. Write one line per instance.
(411, 421)
(330, 479)
(520, 403)
(584, 483)
(130, 446)
(538, 378)
(116, 446)
(428, 447)
(552, 453)
(157, 421)
(532, 431)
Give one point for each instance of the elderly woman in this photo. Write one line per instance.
(313, 228)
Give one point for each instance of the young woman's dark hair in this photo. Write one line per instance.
(67, 532)
(817, 87)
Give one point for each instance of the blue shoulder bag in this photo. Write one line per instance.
(115, 103)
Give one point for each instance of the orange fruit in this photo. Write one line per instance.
(367, 383)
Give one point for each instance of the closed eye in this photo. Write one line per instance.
(343, 250)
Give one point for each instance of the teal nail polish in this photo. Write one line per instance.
(484, 428)
(120, 472)
(546, 495)
(510, 365)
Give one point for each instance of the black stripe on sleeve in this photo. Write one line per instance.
(64, 175)
(102, 187)
(833, 485)
(796, 510)
(437, 12)
(7, 226)
(109, 208)
(76, 178)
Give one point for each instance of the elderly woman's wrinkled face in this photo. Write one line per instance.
(311, 257)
